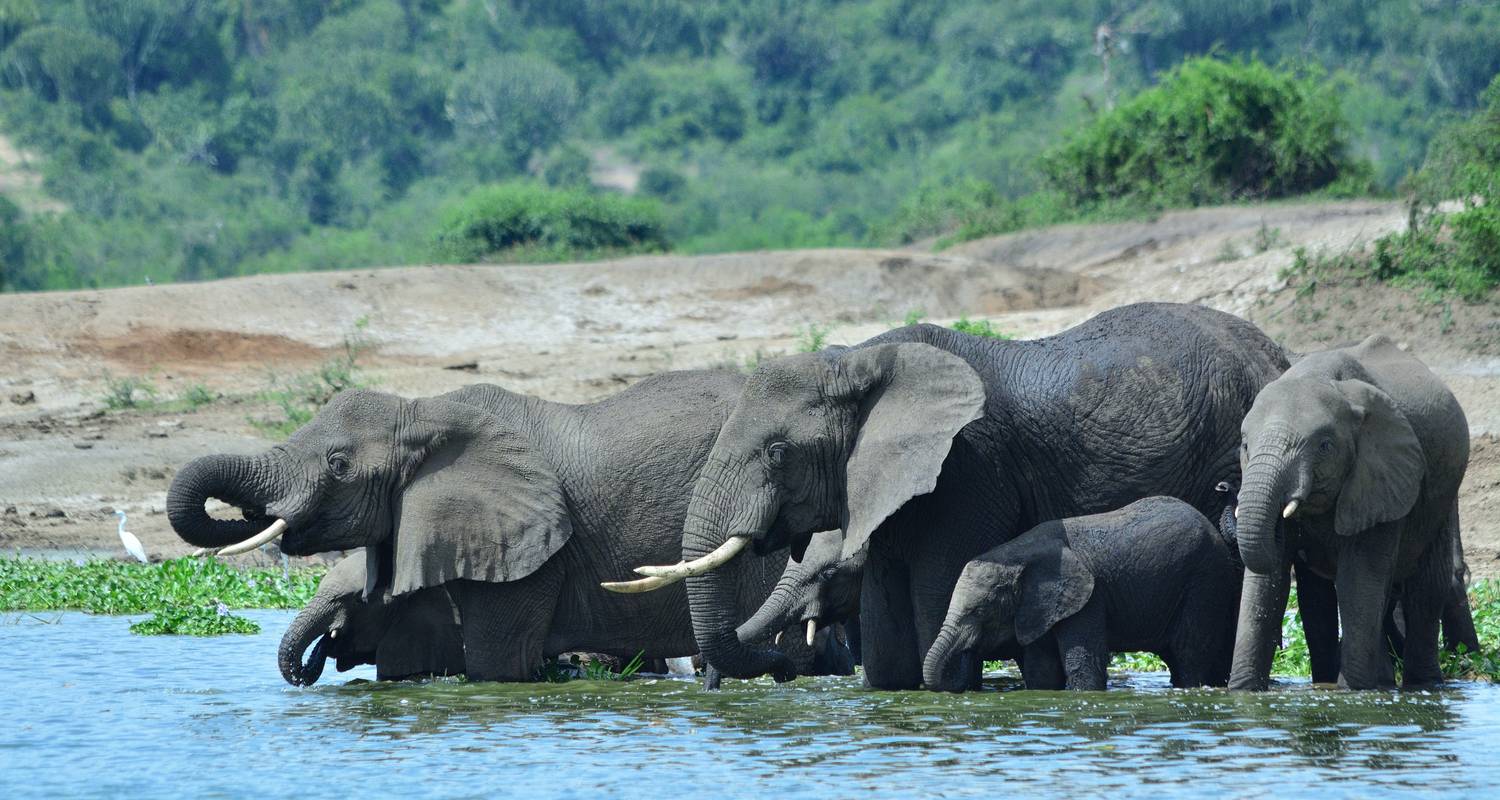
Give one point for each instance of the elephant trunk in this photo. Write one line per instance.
(1263, 496)
(779, 612)
(713, 596)
(315, 623)
(244, 481)
(946, 668)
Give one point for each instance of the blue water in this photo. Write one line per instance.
(90, 710)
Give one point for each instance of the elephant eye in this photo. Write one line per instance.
(338, 464)
(1325, 447)
(775, 453)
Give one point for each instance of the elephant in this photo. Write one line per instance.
(418, 636)
(421, 635)
(1153, 576)
(928, 446)
(514, 506)
(1351, 464)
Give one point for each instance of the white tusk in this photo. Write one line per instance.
(637, 586)
(812, 631)
(1291, 508)
(777, 641)
(698, 566)
(333, 633)
(269, 534)
(1236, 512)
(201, 552)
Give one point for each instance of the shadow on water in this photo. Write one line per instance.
(167, 701)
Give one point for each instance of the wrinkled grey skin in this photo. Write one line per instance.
(420, 635)
(929, 447)
(416, 636)
(1154, 576)
(1372, 446)
(823, 588)
(517, 508)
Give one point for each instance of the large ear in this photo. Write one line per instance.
(1388, 462)
(914, 398)
(483, 505)
(1055, 585)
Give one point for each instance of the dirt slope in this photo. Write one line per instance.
(582, 331)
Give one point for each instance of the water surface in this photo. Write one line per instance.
(92, 711)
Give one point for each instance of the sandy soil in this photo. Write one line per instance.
(578, 332)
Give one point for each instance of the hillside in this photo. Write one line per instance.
(578, 332)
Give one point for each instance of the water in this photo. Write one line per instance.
(92, 711)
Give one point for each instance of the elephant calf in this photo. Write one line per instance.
(1153, 576)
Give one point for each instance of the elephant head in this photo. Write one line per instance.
(1314, 447)
(820, 591)
(433, 489)
(1015, 593)
(402, 637)
(837, 439)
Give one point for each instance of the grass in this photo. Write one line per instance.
(597, 670)
(980, 327)
(212, 620)
(299, 397)
(128, 392)
(813, 337)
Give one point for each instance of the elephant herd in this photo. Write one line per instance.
(1147, 480)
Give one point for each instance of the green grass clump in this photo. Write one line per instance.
(128, 392)
(212, 620)
(117, 587)
(299, 397)
(812, 338)
(554, 672)
(523, 221)
(980, 327)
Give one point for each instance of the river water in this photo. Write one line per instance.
(90, 710)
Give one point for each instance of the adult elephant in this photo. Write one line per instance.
(930, 446)
(515, 507)
(1352, 460)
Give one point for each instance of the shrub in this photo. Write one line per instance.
(1212, 131)
(524, 221)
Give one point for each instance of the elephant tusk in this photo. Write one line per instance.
(1236, 512)
(1291, 508)
(269, 534)
(333, 633)
(201, 552)
(777, 641)
(686, 569)
(812, 631)
(637, 586)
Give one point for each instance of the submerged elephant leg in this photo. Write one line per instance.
(1365, 563)
(505, 625)
(1319, 605)
(1084, 648)
(1258, 631)
(888, 633)
(1042, 665)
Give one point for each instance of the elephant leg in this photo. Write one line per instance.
(1042, 666)
(712, 678)
(1083, 646)
(1318, 603)
(852, 634)
(505, 625)
(1365, 564)
(1258, 631)
(1423, 597)
(888, 636)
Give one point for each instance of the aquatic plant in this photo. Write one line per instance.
(211, 620)
(113, 587)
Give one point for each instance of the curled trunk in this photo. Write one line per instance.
(241, 481)
(947, 664)
(312, 625)
(779, 612)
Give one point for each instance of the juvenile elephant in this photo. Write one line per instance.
(515, 507)
(1154, 576)
(929, 446)
(420, 635)
(1358, 452)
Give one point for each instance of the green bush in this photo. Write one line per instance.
(528, 222)
(214, 620)
(118, 587)
(1212, 131)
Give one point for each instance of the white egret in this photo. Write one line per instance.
(132, 544)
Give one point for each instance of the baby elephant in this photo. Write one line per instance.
(1153, 576)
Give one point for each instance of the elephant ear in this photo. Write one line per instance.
(482, 505)
(1388, 462)
(914, 398)
(1054, 586)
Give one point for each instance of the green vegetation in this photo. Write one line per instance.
(192, 139)
(212, 620)
(297, 398)
(980, 327)
(128, 392)
(812, 338)
(594, 670)
(187, 595)
(1444, 253)
(527, 222)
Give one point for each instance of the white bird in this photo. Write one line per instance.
(132, 544)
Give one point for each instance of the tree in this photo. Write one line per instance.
(139, 28)
(519, 103)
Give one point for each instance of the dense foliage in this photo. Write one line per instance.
(187, 139)
(118, 587)
(520, 221)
